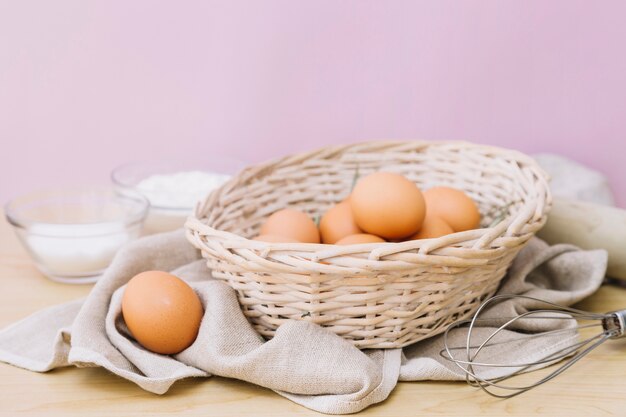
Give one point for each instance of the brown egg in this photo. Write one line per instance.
(359, 238)
(453, 206)
(338, 223)
(292, 224)
(162, 312)
(388, 205)
(275, 239)
(432, 227)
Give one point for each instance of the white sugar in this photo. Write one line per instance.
(76, 249)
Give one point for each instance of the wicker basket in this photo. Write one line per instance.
(379, 295)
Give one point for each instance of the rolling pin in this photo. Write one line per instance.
(589, 226)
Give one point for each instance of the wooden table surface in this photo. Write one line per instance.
(596, 386)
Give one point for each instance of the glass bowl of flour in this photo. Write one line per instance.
(173, 188)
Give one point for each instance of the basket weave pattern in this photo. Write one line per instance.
(378, 295)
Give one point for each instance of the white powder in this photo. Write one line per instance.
(71, 252)
(173, 196)
(181, 189)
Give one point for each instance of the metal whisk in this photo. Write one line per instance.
(511, 338)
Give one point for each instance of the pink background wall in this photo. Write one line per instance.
(85, 86)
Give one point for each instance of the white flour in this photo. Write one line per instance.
(181, 189)
(173, 196)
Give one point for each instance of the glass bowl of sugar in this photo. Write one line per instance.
(73, 234)
(173, 188)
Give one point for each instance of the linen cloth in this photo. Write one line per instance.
(303, 362)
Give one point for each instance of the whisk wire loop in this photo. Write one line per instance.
(510, 334)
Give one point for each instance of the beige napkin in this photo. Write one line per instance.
(304, 362)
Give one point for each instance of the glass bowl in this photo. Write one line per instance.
(73, 234)
(173, 187)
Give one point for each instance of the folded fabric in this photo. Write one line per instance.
(303, 362)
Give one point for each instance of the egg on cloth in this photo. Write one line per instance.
(161, 311)
(454, 207)
(293, 224)
(337, 223)
(388, 205)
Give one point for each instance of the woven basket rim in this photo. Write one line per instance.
(375, 295)
(424, 245)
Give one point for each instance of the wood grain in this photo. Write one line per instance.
(593, 387)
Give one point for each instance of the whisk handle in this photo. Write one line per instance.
(615, 323)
